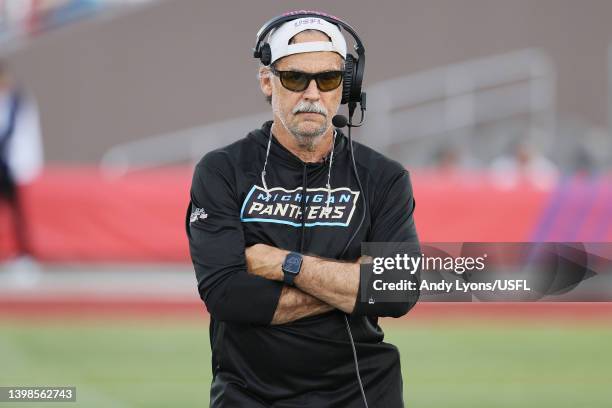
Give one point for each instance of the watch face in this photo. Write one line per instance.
(292, 264)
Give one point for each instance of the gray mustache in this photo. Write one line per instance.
(306, 107)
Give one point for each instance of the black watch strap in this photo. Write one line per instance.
(288, 277)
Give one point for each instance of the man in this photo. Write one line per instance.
(278, 331)
(21, 154)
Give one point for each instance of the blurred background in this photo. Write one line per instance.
(501, 110)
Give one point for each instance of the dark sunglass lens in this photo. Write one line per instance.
(329, 81)
(294, 81)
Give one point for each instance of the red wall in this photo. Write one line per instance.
(76, 214)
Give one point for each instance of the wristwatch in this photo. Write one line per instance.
(291, 267)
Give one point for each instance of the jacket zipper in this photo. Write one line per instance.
(303, 208)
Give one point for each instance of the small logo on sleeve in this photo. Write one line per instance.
(197, 214)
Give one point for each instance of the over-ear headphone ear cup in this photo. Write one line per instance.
(266, 54)
(347, 81)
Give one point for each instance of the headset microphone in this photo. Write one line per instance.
(339, 121)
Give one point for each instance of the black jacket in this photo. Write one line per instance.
(307, 363)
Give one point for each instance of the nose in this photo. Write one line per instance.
(312, 92)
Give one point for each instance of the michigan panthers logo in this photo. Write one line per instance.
(285, 206)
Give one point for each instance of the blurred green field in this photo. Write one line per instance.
(144, 363)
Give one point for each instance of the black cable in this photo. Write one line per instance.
(348, 329)
(363, 195)
(363, 213)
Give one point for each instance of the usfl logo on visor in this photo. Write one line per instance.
(283, 206)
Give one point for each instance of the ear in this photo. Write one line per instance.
(265, 81)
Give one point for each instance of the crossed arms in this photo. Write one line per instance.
(245, 284)
(322, 285)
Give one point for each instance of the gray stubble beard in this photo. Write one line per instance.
(308, 140)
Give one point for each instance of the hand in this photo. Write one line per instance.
(265, 261)
(365, 260)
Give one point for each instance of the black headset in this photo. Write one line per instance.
(354, 66)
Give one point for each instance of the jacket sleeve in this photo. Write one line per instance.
(216, 245)
(393, 221)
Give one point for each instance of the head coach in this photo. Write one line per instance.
(275, 226)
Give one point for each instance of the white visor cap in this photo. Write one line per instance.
(279, 38)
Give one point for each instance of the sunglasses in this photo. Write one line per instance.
(297, 81)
